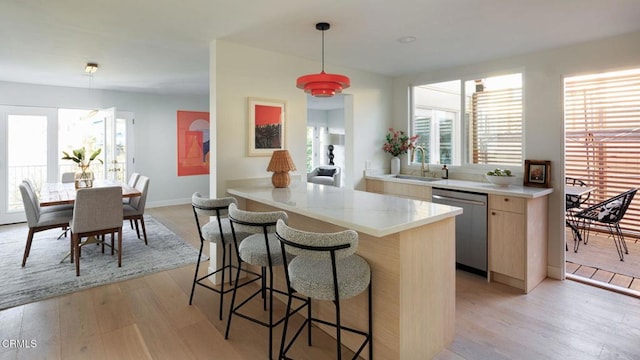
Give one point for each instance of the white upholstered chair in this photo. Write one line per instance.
(326, 175)
(38, 220)
(96, 211)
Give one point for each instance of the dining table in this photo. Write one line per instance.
(576, 191)
(65, 193)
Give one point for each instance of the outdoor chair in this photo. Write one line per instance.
(607, 214)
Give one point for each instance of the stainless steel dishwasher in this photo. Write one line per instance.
(471, 227)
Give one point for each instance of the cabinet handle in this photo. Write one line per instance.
(493, 213)
(506, 199)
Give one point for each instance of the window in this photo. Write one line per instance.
(495, 113)
(436, 131)
(437, 122)
(492, 130)
(602, 136)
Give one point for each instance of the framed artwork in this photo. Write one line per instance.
(193, 143)
(537, 173)
(266, 126)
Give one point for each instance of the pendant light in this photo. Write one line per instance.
(323, 84)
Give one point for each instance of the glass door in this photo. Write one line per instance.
(25, 131)
(33, 140)
(93, 130)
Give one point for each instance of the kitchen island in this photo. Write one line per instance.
(410, 246)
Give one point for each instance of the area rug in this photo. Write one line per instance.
(44, 276)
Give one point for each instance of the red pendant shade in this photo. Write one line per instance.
(323, 84)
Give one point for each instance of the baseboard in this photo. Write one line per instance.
(555, 272)
(154, 204)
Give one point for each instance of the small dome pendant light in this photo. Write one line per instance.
(323, 84)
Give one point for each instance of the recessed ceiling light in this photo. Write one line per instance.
(406, 39)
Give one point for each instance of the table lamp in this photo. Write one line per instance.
(280, 165)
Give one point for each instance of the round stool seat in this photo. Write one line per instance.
(314, 278)
(211, 232)
(253, 250)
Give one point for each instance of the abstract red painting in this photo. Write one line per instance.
(193, 143)
(266, 126)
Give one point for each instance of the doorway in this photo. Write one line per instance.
(602, 143)
(326, 132)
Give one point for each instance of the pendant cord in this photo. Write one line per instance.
(322, 50)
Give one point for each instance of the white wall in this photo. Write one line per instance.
(543, 107)
(155, 130)
(239, 72)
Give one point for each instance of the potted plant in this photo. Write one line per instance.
(396, 144)
(84, 175)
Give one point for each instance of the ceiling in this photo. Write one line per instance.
(162, 46)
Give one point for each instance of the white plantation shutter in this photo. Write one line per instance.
(602, 130)
(496, 127)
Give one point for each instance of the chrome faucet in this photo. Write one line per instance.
(424, 155)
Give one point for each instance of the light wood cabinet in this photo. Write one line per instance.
(411, 191)
(517, 240)
(517, 233)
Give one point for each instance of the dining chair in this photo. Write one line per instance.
(45, 209)
(134, 210)
(38, 220)
(96, 212)
(68, 177)
(608, 214)
(259, 249)
(216, 231)
(324, 267)
(133, 179)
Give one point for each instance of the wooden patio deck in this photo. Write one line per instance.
(597, 263)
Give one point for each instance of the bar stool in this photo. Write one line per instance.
(326, 268)
(259, 249)
(217, 231)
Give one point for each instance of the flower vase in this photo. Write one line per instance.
(395, 165)
(83, 177)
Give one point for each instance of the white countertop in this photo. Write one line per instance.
(369, 213)
(473, 186)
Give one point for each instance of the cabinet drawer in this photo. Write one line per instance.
(507, 203)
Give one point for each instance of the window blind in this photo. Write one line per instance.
(422, 128)
(602, 137)
(496, 127)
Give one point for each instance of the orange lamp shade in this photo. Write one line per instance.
(280, 164)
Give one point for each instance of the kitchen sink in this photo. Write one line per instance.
(418, 178)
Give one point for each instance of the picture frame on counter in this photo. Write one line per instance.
(537, 173)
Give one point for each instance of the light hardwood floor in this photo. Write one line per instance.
(149, 317)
